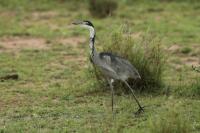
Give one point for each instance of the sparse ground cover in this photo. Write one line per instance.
(56, 91)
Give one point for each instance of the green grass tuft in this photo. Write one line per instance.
(102, 8)
(186, 50)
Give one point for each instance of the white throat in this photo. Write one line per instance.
(91, 29)
(92, 38)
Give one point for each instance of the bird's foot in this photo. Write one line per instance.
(140, 110)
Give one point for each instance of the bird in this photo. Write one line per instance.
(113, 67)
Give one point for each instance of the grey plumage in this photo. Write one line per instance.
(123, 68)
(112, 66)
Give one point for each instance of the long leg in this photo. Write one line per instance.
(110, 81)
(140, 107)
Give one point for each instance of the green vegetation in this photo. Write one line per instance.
(144, 52)
(56, 91)
(102, 8)
(186, 50)
(173, 121)
(189, 90)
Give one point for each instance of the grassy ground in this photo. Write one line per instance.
(55, 91)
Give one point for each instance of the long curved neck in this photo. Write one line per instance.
(92, 41)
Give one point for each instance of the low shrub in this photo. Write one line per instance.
(186, 50)
(102, 8)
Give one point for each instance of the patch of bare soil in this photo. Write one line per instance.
(2, 104)
(174, 48)
(73, 41)
(7, 14)
(136, 35)
(19, 43)
(191, 61)
(42, 18)
(185, 59)
(44, 15)
(158, 18)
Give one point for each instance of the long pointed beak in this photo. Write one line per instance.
(77, 22)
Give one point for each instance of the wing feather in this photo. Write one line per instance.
(118, 65)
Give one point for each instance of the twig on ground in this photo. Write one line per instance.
(9, 77)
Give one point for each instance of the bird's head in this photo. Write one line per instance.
(86, 24)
